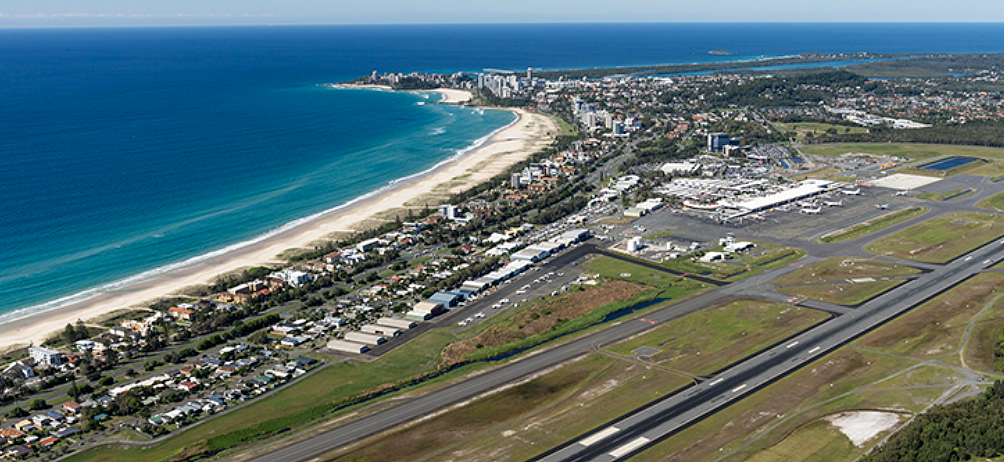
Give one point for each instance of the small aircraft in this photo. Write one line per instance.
(902, 193)
(852, 192)
(814, 211)
(881, 206)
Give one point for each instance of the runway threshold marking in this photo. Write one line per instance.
(599, 436)
(627, 448)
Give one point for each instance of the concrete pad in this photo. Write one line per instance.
(903, 181)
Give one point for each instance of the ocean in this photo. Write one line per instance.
(126, 153)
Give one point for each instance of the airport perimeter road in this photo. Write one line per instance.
(407, 411)
(646, 426)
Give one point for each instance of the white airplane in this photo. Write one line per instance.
(814, 211)
(902, 193)
(833, 204)
(852, 192)
(881, 206)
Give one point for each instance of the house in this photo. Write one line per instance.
(25, 425)
(48, 442)
(184, 314)
(305, 362)
(67, 432)
(17, 451)
(293, 341)
(188, 386)
(713, 256)
(71, 407)
(11, 434)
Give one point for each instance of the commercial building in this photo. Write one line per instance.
(403, 324)
(364, 338)
(46, 356)
(348, 347)
(376, 329)
(718, 141)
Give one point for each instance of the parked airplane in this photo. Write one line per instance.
(881, 206)
(833, 204)
(814, 211)
(852, 192)
(902, 193)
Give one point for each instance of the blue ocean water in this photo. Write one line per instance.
(127, 151)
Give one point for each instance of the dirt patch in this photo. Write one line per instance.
(543, 318)
(860, 427)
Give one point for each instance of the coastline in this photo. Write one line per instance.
(508, 145)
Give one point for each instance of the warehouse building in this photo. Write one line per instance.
(342, 346)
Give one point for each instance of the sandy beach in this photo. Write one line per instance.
(530, 133)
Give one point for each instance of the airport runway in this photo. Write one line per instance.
(633, 433)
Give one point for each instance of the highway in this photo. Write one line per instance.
(623, 437)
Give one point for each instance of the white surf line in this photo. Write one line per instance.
(599, 436)
(627, 448)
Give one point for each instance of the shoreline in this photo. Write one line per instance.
(505, 146)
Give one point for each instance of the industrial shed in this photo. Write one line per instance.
(342, 346)
(360, 337)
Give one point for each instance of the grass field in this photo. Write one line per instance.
(802, 128)
(842, 294)
(520, 422)
(938, 197)
(936, 328)
(842, 268)
(719, 271)
(993, 170)
(846, 370)
(872, 226)
(773, 258)
(995, 202)
(709, 340)
(818, 441)
(912, 151)
(941, 239)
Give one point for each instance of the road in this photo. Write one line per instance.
(632, 433)
(390, 417)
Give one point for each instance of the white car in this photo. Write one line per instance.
(504, 300)
(480, 315)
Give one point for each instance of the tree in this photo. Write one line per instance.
(37, 404)
(69, 334)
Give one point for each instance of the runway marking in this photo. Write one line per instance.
(599, 436)
(627, 448)
(813, 350)
(792, 344)
(716, 382)
(796, 264)
(648, 321)
(737, 389)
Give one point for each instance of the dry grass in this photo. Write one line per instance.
(543, 318)
(936, 328)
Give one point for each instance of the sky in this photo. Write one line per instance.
(132, 13)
